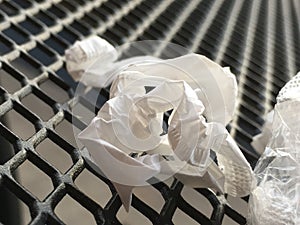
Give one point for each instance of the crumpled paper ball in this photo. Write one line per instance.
(126, 139)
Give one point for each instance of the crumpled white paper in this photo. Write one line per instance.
(84, 54)
(202, 96)
(275, 198)
(92, 61)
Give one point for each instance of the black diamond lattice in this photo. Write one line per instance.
(258, 39)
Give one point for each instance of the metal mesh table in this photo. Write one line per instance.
(258, 39)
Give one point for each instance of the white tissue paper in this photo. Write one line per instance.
(275, 198)
(201, 95)
(92, 61)
(84, 54)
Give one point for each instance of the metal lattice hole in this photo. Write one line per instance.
(56, 44)
(150, 196)
(228, 221)
(31, 26)
(8, 82)
(80, 28)
(93, 187)
(16, 34)
(55, 155)
(92, 21)
(85, 114)
(34, 179)
(65, 76)
(71, 212)
(57, 12)
(13, 201)
(36, 105)
(67, 131)
(68, 35)
(5, 45)
(55, 91)
(180, 217)
(27, 66)
(43, 54)
(3, 96)
(68, 5)
(19, 125)
(8, 9)
(6, 150)
(238, 204)
(23, 3)
(25, 213)
(133, 217)
(197, 200)
(45, 18)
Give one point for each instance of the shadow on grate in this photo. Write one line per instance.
(49, 176)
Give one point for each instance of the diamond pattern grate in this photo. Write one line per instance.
(258, 39)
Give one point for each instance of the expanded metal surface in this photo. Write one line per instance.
(258, 39)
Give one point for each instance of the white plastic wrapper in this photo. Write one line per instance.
(276, 195)
(201, 95)
(260, 141)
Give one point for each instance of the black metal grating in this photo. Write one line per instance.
(258, 39)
